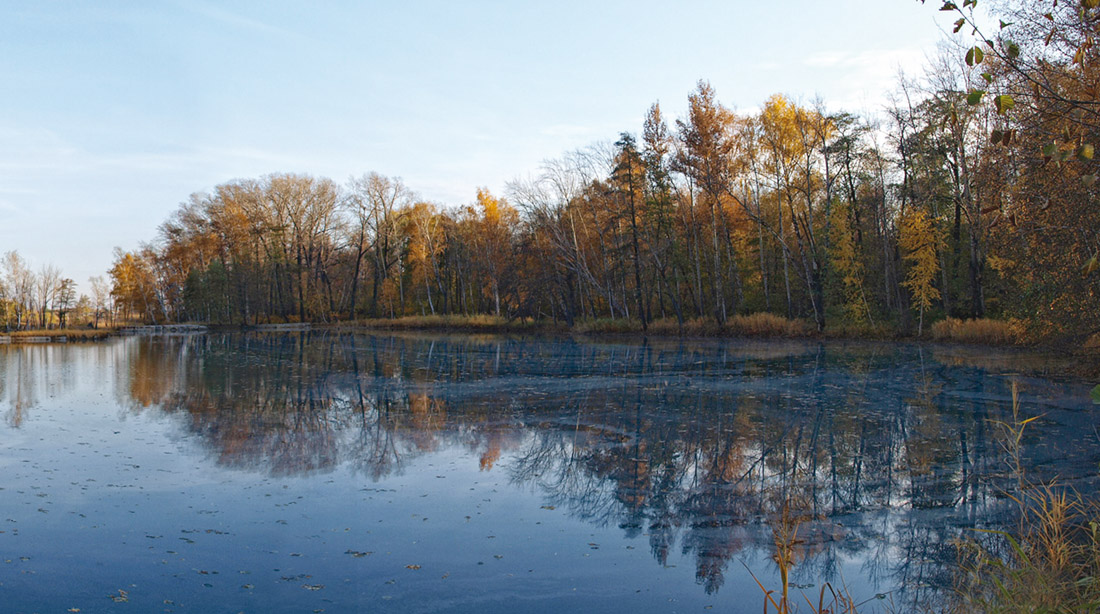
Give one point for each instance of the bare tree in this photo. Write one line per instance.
(19, 280)
(101, 294)
(63, 300)
(45, 289)
(373, 202)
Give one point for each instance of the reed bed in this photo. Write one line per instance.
(982, 331)
(1050, 562)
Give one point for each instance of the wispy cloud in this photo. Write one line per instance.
(867, 75)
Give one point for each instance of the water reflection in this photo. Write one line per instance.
(882, 454)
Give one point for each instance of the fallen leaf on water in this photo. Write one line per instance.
(413, 567)
(313, 587)
(357, 554)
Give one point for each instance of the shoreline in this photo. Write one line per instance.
(774, 329)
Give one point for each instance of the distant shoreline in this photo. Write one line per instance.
(1081, 360)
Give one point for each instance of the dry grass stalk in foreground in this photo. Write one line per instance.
(1051, 564)
(788, 552)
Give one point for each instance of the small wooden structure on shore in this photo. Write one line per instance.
(163, 329)
(9, 340)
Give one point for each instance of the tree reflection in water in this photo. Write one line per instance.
(881, 454)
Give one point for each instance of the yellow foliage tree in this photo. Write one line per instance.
(425, 241)
(919, 240)
(848, 263)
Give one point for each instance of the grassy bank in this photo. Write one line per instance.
(982, 332)
(456, 323)
(756, 325)
(59, 334)
(763, 325)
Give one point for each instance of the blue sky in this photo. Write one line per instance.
(112, 113)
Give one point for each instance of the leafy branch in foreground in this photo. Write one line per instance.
(1048, 51)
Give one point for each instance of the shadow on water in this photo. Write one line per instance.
(883, 454)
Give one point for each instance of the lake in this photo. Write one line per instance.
(310, 472)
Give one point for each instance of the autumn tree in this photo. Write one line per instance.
(847, 262)
(705, 158)
(919, 241)
(660, 214)
(424, 229)
(628, 181)
(490, 224)
(133, 286)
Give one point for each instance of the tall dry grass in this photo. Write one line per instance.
(456, 323)
(755, 325)
(766, 325)
(1050, 563)
(983, 331)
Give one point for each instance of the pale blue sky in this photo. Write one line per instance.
(112, 113)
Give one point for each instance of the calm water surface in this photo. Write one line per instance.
(320, 472)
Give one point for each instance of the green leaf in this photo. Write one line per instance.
(1095, 395)
(948, 6)
(975, 97)
(959, 24)
(974, 56)
(1004, 102)
(1090, 4)
(1005, 24)
(1013, 50)
(988, 77)
(1050, 149)
(1085, 152)
(997, 136)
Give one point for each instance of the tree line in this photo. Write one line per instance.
(44, 298)
(956, 202)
